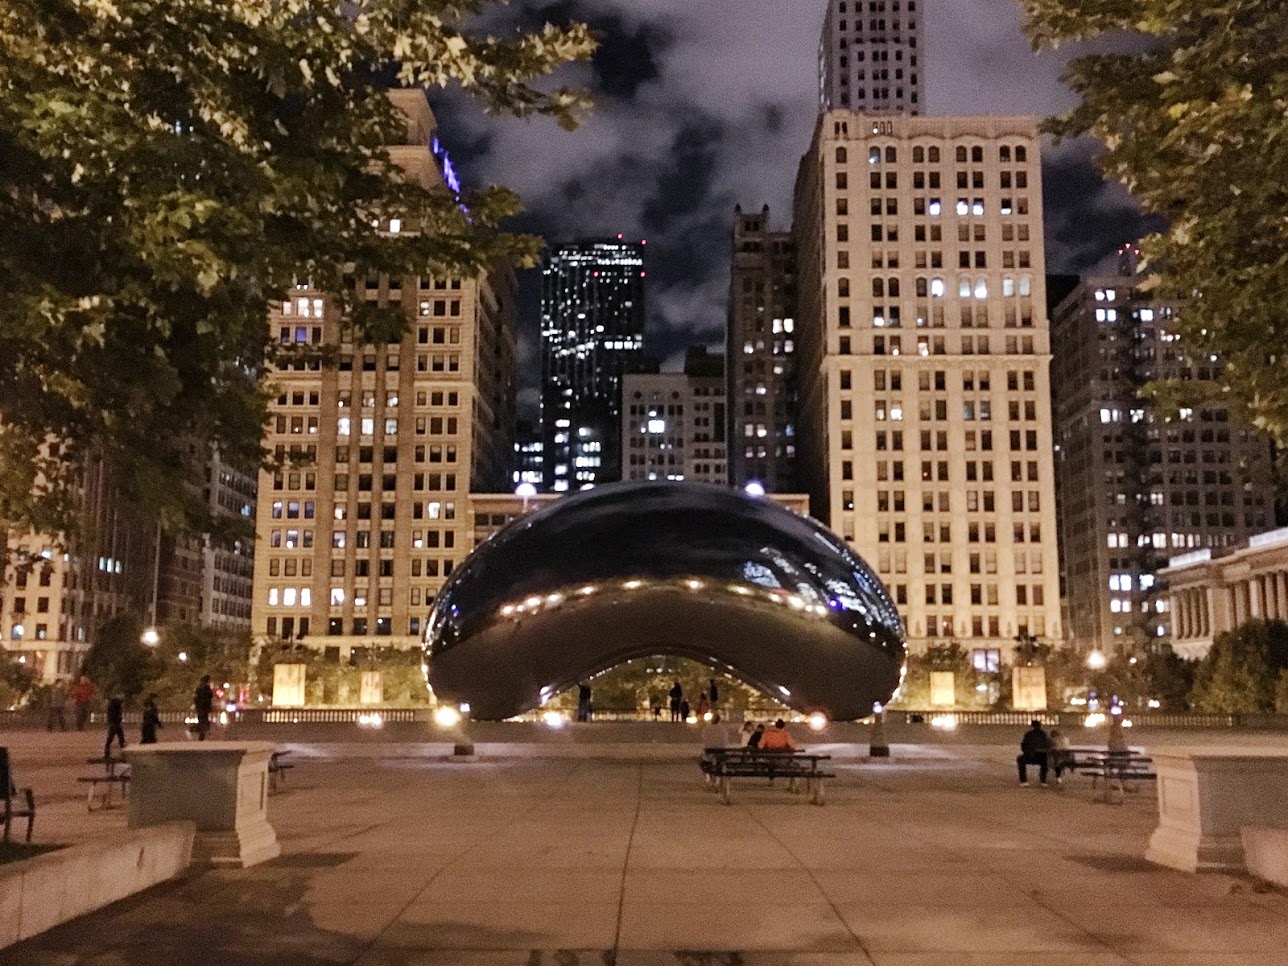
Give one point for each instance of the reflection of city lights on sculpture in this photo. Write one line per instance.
(707, 716)
(445, 716)
(1094, 720)
(372, 720)
(817, 721)
(554, 719)
(694, 584)
(944, 722)
(633, 585)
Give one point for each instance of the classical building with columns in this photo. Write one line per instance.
(1210, 594)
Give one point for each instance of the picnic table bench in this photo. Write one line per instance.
(278, 766)
(1118, 770)
(17, 802)
(721, 765)
(115, 776)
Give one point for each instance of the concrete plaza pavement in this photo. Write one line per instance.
(932, 857)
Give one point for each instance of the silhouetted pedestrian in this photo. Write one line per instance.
(203, 702)
(713, 694)
(58, 706)
(684, 709)
(583, 701)
(151, 721)
(82, 694)
(677, 695)
(115, 725)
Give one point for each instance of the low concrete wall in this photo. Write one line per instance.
(42, 892)
(1265, 852)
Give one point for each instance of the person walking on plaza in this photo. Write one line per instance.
(713, 694)
(82, 694)
(58, 706)
(583, 701)
(1035, 749)
(777, 738)
(203, 702)
(677, 695)
(151, 721)
(115, 725)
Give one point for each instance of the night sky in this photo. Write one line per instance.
(704, 104)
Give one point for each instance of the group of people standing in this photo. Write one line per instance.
(681, 709)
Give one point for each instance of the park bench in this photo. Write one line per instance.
(18, 802)
(114, 777)
(278, 766)
(1120, 771)
(721, 765)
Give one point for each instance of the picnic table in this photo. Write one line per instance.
(115, 776)
(721, 765)
(1120, 771)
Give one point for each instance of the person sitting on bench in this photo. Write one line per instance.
(777, 738)
(1035, 749)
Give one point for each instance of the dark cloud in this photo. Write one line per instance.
(708, 103)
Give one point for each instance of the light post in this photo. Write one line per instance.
(525, 491)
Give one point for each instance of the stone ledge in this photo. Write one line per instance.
(39, 893)
(1265, 852)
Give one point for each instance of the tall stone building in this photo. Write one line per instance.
(870, 57)
(353, 543)
(674, 423)
(592, 333)
(56, 594)
(925, 403)
(1137, 487)
(760, 354)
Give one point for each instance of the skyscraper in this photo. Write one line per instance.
(674, 423)
(760, 354)
(1137, 487)
(869, 58)
(925, 436)
(592, 332)
(354, 541)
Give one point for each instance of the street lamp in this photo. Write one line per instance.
(754, 488)
(151, 637)
(525, 492)
(1096, 660)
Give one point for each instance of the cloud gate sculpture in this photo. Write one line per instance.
(683, 569)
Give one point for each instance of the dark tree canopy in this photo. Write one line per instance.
(1196, 128)
(168, 168)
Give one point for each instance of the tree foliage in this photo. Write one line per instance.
(168, 169)
(1195, 126)
(1241, 672)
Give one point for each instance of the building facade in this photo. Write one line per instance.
(592, 333)
(356, 536)
(674, 423)
(760, 354)
(54, 598)
(1211, 592)
(925, 435)
(1136, 487)
(869, 57)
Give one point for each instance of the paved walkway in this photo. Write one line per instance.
(934, 859)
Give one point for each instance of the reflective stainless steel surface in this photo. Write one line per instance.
(686, 569)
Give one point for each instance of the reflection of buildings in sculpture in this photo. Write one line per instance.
(872, 60)
(1136, 487)
(592, 333)
(673, 423)
(925, 434)
(355, 540)
(688, 570)
(1211, 592)
(760, 353)
(52, 609)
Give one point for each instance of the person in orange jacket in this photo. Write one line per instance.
(777, 738)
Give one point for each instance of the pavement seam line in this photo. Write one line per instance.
(626, 863)
(812, 878)
(457, 857)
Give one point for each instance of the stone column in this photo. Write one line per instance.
(1205, 798)
(222, 786)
